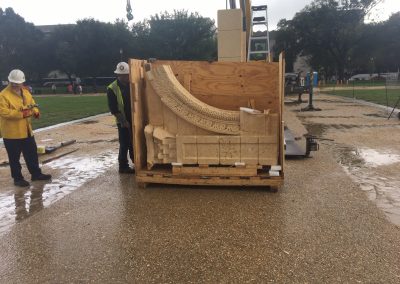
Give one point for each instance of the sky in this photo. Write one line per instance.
(52, 12)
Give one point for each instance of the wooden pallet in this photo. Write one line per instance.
(166, 177)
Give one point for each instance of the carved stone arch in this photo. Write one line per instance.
(188, 107)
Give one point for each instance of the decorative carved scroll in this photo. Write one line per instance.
(186, 106)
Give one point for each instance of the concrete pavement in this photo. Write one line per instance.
(319, 228)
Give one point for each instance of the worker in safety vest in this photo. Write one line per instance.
(16, 109)
(119, 103)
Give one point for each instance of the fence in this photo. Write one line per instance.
(383, 92)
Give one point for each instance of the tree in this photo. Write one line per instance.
(20, 45)
(180, 35)
(285, 38)
(90, 48)
(328, 30)
(386, 45)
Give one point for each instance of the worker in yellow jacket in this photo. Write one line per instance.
(16, 109)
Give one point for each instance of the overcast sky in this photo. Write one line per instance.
(51, 12)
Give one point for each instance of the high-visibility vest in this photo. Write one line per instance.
(117, 92)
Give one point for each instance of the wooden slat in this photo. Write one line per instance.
(139, 143)
(214, 171)
(212, 181)
(281, 100)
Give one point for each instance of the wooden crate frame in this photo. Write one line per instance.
(226, 85)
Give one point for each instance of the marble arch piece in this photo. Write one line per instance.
(186, 106)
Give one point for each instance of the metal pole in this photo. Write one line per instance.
(398, 100)
(387, 99)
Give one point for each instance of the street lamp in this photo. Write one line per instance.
(372, 65)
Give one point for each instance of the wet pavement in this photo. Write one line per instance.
(365, 144)
(74, 171)
(321, 227)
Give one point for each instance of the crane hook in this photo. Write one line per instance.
(129, 15)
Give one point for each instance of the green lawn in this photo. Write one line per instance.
(375, 96)
(57, 109)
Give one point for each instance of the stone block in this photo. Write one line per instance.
(231, 19)
(249, 150)
(186, 147)
(208, 150)
(229, 150)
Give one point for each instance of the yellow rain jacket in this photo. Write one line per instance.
(12, 123)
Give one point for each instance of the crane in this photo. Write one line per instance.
(129, 15)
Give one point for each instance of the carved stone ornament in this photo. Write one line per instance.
(189, 108)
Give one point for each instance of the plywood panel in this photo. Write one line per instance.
(251, 80)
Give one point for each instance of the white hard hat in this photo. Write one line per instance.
(16, 76)
(122, 68)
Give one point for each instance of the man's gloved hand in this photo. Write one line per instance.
(125, 124)
(36, 115)
(122, 120)
(26, 113)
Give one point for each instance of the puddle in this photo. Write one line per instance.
(75, 171)
(374, 158)
(361, 164)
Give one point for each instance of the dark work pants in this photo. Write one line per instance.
(125, 146)
(28, 148)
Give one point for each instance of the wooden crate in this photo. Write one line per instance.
(226, 85)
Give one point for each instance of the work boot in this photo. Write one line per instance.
(21, 183)
(126, 170)
(41, 177)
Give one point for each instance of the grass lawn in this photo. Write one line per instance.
(375, 96)
(57, 109)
